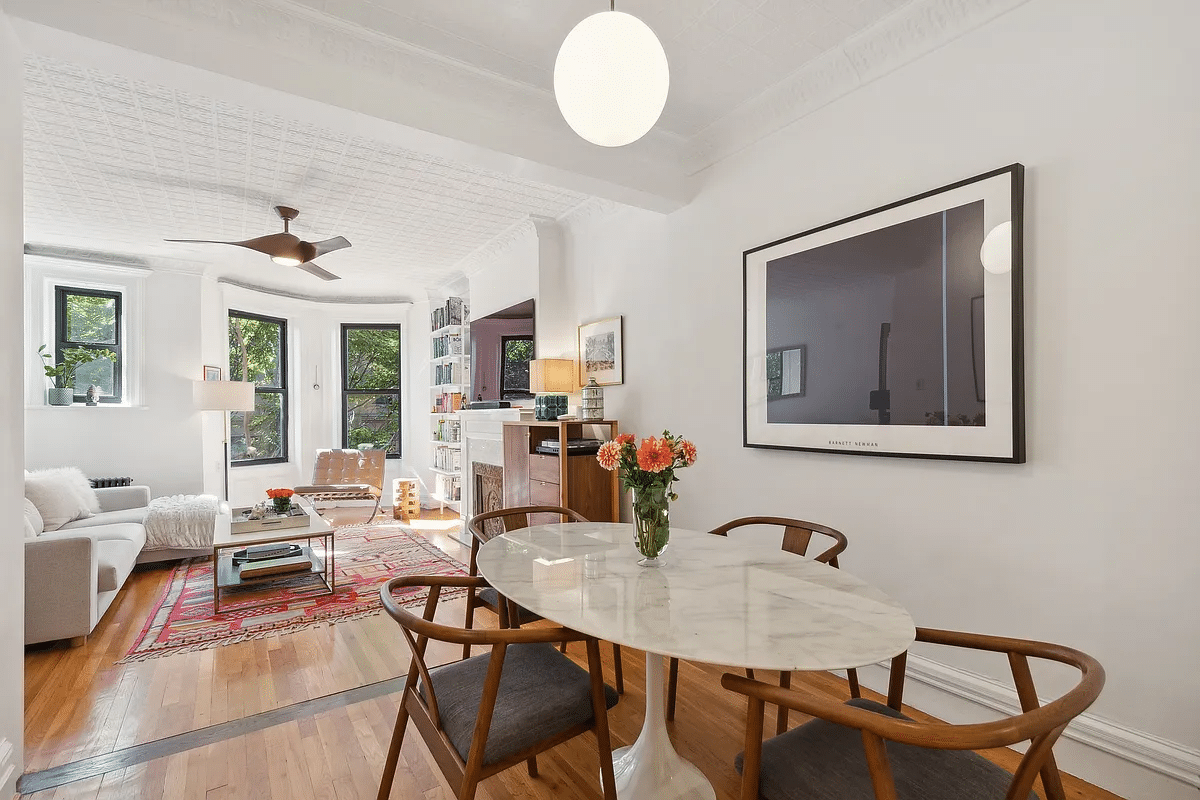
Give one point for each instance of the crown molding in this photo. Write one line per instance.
(898, 39)
(113, 261)
(345, 300)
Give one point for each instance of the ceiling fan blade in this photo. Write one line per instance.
(313, 269)
(329, 245)
(274, 244)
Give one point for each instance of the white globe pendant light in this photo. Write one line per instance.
(996, 252)
(611, 79)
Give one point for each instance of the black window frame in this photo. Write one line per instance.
(61, 342)
(515, 394)
(346, 392)
(282, 390)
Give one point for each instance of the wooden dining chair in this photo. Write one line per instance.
(482, 528)
(797, 537)
(482, 715)
(863, 749)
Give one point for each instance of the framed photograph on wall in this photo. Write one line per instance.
(601, 352)
(877, 334)
(212, 373)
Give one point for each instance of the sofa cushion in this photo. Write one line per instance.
(114, 561)
(61, 494)
(130, 515)
(33, 520)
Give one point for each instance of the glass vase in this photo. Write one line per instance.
(282, 504)
(652, 523)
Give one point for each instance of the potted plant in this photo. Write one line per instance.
(62, 393)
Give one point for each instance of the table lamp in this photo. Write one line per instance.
(224, 396)
(550, 379)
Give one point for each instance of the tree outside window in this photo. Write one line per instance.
(258, 353)
(371, 388)
(515, 355)
(89, 320)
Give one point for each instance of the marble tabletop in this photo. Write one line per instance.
(716, 599)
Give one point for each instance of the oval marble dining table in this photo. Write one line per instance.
(715, 599)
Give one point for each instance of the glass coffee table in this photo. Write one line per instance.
(227, 574)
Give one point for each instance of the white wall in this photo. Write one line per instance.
(1094, 542)
(12, 551)
(154, 435)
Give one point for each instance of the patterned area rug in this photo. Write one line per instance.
(366, 557)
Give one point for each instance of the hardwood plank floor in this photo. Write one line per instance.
(80, 704)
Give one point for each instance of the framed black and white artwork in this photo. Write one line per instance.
(894, 332)
(601, 352)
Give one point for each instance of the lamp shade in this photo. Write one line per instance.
(552, 375)
(611, 79)
(223, 395)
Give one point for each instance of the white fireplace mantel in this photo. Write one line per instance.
(482, 442)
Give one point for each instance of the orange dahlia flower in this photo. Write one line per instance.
(624, 438)
(655, 455)
(609, 455)
(687, 451)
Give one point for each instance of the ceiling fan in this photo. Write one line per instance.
(286, 248)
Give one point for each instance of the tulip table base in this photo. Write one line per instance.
(650, 767)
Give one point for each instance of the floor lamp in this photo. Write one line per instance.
(224, 396)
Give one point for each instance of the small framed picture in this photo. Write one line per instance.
(601, 352)
(212, 373)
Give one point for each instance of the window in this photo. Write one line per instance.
(258, 353)
(87, 324)
(371, 388)
(515, 353)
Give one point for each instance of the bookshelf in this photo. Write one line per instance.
(449, 386)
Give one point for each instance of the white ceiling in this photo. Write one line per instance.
(424, 131)
(721, 52)
(120, 164)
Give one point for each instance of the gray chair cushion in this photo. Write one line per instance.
(491, 598)
(542, 692)
(821, 760)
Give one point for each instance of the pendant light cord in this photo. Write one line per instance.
(612, 5)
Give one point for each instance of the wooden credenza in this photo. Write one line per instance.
(576, 482)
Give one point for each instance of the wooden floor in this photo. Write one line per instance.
(79, 703)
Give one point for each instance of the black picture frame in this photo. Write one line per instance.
(949, 418)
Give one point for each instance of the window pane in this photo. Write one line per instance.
(515, 380)
(91, 319)
(98, 371)
(372, 358)
(255, 350)
(373, 422)
(260, 433)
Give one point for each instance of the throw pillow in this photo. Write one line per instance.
(33, 520)
(61, 495)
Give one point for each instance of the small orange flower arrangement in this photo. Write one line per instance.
(648, 469)
(282, 498)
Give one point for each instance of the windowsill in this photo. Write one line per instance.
(126, 406)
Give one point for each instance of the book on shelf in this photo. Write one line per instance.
(453, 312)
(448, 430)
(451, 373)
(275, 566)
(448, 344)
(447, 402)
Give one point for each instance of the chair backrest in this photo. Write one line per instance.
(514, 519)
(1041, 725)
(337, 467)
(418, 630)
(797, 535)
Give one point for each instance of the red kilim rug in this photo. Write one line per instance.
(366, 557)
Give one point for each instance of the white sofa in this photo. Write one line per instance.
(73, 574)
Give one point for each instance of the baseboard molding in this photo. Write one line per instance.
(1161, 756)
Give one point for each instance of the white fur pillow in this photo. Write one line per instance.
(61, 495)
(33, 520)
